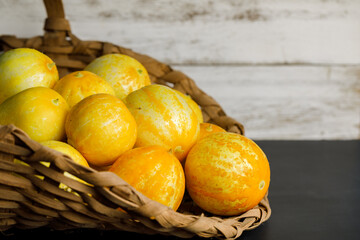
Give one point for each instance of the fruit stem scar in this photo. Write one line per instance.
(78, 75)
(261, 184)
(178, 149)
(50, 65)
(55, 101)
(209, 128)
(139, 71)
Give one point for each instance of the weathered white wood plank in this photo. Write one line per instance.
(286, 102)
(208, 32)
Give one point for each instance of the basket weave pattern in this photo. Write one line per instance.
(29, 202)
(26, 201)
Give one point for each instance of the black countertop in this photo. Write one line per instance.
(314, 194)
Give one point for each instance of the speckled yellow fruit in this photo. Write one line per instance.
(72, 153)
(101, 128)
(24, 68)
(39, 111)
(227, 173)
(194, 106)
(163, 118)
(76, 86)
(154, 172)
(68, 150)
(124, 73)
(209, 128)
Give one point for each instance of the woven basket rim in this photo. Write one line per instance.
(156, 217)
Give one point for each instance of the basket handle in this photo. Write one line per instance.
(58, 32)
(55, 20)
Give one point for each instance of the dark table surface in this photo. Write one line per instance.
(314, 194)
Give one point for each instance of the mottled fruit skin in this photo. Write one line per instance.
(124, 73)
(227, 174)
(209, 128)
(163, 118)
(76, 86)
(39, 111)
(194, 106)
(101, 128)
(154, 172)
(23, 68)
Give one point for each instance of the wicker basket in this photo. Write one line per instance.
(27, 202)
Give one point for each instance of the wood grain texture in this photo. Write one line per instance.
(286, 102)
(227, 32)
(286, 69)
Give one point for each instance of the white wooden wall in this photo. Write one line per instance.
(285, 69)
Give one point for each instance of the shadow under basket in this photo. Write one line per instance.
(28, 202)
